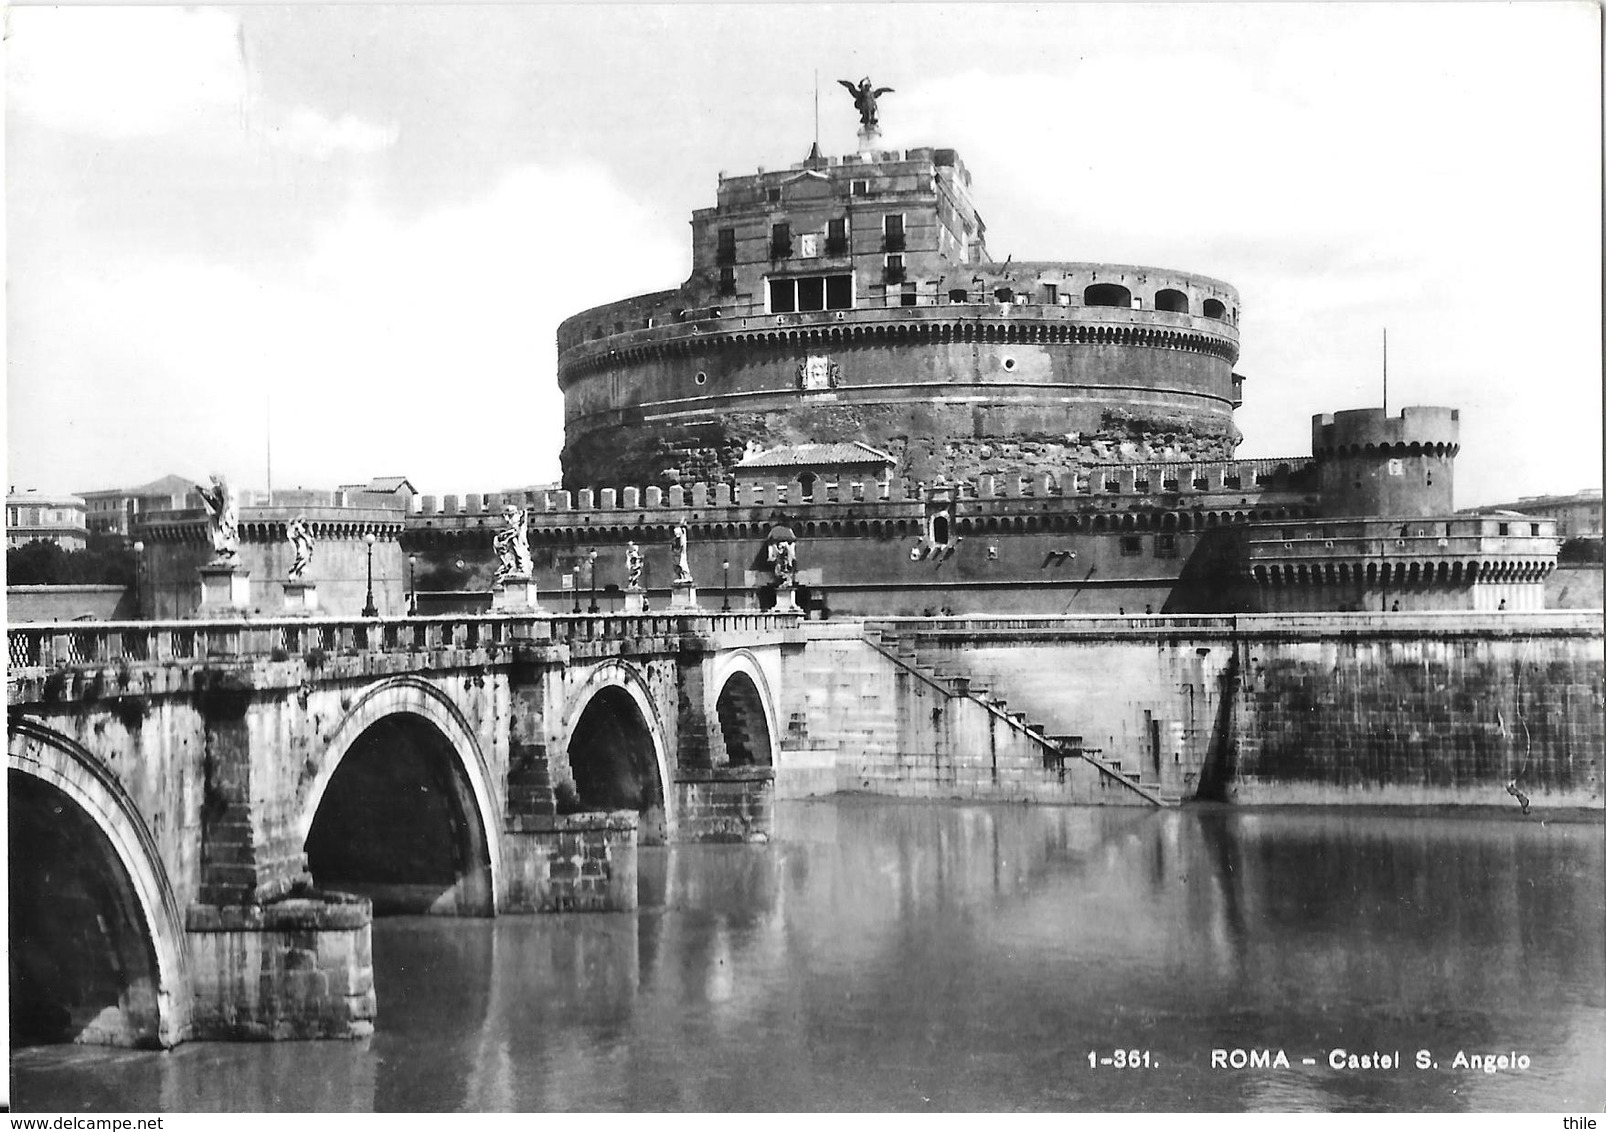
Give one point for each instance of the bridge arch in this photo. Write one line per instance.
(745, 707)
(617, 753)
(140, 995)
(401, 808)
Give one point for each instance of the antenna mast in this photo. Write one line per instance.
(816, 108)
(1385, 371)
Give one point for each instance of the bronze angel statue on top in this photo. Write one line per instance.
(864, 98)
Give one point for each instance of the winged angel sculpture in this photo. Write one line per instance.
(864, 98)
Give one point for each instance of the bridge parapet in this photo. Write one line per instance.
(50, 646)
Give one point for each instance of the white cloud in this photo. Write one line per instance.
(312, 133)
(150, 73)
(125, 72)
(424, 346)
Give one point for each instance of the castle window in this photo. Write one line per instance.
(892, 228)
(910, 296)
(1171, 300)
(774, 196)
(1051, 294)
(1533, 529)
(1131, 546)
(1107, 295)
(861, 188)
(1214, 308)
(1003, 295)
(1505, 528)
(805, 486)
(725, 251)
(780, 241)
(894, 269)
(1165, 546)
(811, 294)
(727, 281)
(959, 295)
(836, 237)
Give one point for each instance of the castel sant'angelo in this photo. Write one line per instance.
(850, 405)
(942, 431)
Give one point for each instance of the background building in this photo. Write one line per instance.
(35, 516)
(115, 511)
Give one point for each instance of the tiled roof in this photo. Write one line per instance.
(817, 455)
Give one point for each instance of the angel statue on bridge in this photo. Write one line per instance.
(512, 546)
(864, 98)
(680, 537)
(300, 535)
(223, 519)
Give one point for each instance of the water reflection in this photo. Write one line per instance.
(900, 956)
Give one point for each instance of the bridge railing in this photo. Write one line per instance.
(65, 644)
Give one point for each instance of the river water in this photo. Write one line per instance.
(885, 955)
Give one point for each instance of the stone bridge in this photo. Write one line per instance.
(205, 814)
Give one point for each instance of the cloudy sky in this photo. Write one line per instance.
(355, 229)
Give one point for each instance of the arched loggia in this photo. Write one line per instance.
(742, 723)
(398, 822)
(83, 967)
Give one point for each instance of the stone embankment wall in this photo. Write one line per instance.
(886, 728)
(1334, 708)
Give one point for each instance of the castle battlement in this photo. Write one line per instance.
(1105, 485)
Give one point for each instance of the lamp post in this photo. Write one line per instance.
(725, 604)
(139, 566)
(412, 585)
(592, 559)
(574, 577)
(370, 609)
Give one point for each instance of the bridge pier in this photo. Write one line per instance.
(294, 969)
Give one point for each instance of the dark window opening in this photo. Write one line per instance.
(910, 296)
(1107, 295)
(894, 269)
(1505, 528)
(893, 229)
(780, 241)
(773, 196)
(1165, 546)
(1171, 300)
(727, 281)
(861, 188)
(1051, 294)
(941, 529)
(836, 237)
(811, 293)
(1214, 308)
(725, 252)
(959, 295)
(1003, 295)
(1131, 545)
(805, 486)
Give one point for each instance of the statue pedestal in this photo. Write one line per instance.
(225, 590)
(636, 600)
(683, 595)
(786, 599)
(869, 138)
(300, 598)
(515, 593)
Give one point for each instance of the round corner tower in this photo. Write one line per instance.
(1369, 463)
(852, 299)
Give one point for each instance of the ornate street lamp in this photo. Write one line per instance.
(592, 558)
(139, 568)
(370, 609)
(574, 576)
(725, 605)
(412, 585)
